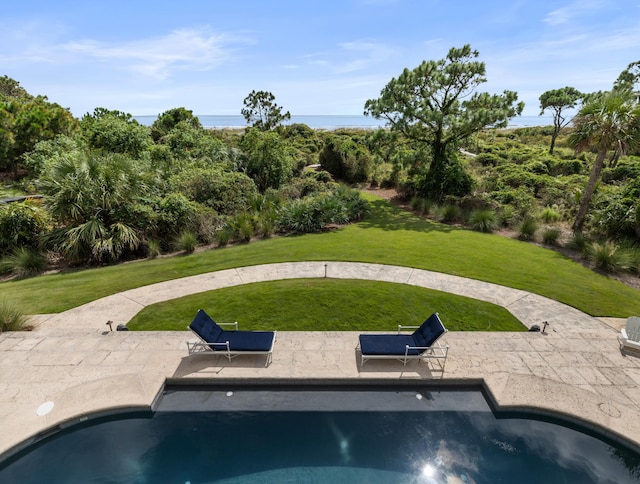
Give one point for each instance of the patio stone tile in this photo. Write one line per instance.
(594, 377)
(571, 376)
(26, 344)
(614, 394)
(572, 359)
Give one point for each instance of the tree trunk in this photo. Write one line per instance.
(553, 140)
(588, 192)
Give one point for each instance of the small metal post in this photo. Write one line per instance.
(544, 327)
(325, 270)
(109, 323)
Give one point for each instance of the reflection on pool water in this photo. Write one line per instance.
(351, 436)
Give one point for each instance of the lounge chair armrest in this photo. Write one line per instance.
(623, 333)
(435, 351)
(202, 346)
(402, 327)
(234, 324)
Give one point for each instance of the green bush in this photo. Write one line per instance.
(11, 318)
(345, 159)
(315, 212)
(243, 227)
(578, 242)
(483, 220)
(224, 235)
(489, 159)
(21, 225)
(608, 256)
(450, 213)
(549, 215)
(153, 249)
(226, 192)
(550, 236)
(421, 205)
(186, 242)
(528, 228)
(23, 262)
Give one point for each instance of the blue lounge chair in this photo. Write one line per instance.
(230, 343)
(422, 343)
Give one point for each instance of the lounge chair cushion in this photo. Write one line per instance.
(247, 340)
(429, 332)
(387, 344)
(205, 327)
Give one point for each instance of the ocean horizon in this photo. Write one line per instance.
(329, 122)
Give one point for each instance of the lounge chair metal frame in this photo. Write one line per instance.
(629, 336)
(223, 347)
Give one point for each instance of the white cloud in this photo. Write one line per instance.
(575, 9)
(351, 56)
(186, 49)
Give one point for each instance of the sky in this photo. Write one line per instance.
(317, 57)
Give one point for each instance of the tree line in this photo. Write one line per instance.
(114, 189)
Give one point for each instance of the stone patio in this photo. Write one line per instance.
(575, 369)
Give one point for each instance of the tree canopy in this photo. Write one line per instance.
(558, 101)
(437, 104)
(262, 112)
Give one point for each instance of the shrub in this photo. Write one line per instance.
(11, 318)
(23, 262)
(226, 192)
(224, 235)
(21, 225)
(186, 241)
(483, 220)
(153, 249)
(488, 159)
(527, 229)
(578, 242)
(267, 223)
(243, 227)
(315, 212)
(421, 205)
(607, 256)
(345, 159)
(550, 236)
(450, 213)
(549, 215)
(507, 216)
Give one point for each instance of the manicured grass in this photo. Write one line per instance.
(389, 235)
(327, 305)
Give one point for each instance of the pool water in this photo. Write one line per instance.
(238, 436)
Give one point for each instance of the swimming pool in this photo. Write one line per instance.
(244, 435)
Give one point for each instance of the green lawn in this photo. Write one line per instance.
(389, 235)
(327, 305)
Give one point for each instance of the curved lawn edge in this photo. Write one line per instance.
(327, 304)
(122, 307)
(389, 235)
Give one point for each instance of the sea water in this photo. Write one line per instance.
(329, 122)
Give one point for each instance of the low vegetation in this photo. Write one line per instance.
(11, 318)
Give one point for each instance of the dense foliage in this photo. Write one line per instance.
(116, 190)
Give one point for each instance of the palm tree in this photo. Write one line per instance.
(608, 123)
(90, 196)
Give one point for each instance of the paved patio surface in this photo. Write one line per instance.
(71, 359)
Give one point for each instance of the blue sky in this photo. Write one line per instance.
(316, 57)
